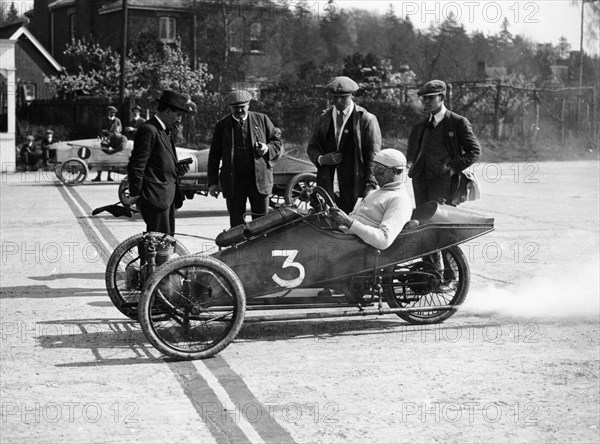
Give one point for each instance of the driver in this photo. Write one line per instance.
(379, 217)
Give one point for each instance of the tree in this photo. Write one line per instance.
(150, 68)
(11, 17)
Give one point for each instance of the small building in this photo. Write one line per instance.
(25, 69)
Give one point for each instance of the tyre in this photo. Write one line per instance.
(124, 192)
(299, 190)
(422, 284)
(72, 171)
(192, 307)
(124, 276)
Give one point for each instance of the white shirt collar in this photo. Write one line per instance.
(440, 114)
(346, 111)
(162, 124)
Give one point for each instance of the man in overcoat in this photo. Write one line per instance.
(343, 143)
(439, 147)
(240, 162)
(153, 167)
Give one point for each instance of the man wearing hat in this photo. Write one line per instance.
(379, 217)
(135, 123)
(47, 154)
(243, 147)
(110, 127)
(439, 147)
(344, 141)
(153, 167)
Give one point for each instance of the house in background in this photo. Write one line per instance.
(230, 36)
(25, 68)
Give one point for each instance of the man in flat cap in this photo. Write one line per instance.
(439, 147)
(379, 217)
(153, 166)
(243, 147)
(110, 132)
(135, 122)
(343, 143)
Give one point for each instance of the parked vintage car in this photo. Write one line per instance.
(293, 177)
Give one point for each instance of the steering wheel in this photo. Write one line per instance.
(321, 200)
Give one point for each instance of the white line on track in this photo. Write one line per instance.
(97, 233)
(227, 403)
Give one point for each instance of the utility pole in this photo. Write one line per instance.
(123, 55)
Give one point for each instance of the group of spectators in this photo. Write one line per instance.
(366, 183)
(34, 156)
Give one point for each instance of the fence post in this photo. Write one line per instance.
(562, 120)
(497, 110)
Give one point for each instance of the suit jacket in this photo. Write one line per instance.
(221, 153)
(367, 140)
(152, 167)
(460, 141)
(113, 126)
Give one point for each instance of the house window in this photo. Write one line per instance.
(30, 90)
(167, 29)
(256, 37)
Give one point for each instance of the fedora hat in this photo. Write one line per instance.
(175, 100)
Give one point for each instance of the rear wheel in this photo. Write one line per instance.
(192, 307)
(423, 284)
(125, 274)
(72, 171)
(299, 190)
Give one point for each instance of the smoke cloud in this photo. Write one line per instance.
(573, 292)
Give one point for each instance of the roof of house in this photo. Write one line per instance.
(162, 5)
(60, 3)
(17, 31)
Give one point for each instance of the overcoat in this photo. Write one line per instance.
(152, 167)
(220, 157)
(367, 142)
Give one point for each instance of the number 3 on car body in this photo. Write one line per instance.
(289, 262)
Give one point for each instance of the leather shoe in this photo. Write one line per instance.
(96, 179)
(110, 179)
(446, 287)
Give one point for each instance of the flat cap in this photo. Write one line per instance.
(432, 88)
(136, 107)
(342, 85)
(176, 100)
(49, 131)
(390, 158)
(29, 138)
(238, 97)
(111, 108)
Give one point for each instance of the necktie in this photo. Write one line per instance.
(339, 122)
(431, 123)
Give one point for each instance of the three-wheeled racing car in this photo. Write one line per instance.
(193, 306)
(291, 175)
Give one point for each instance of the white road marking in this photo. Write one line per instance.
(227, 403)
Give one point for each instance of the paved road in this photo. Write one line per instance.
(520, 362)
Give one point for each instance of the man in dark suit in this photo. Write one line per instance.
(244, 145)
(135, 122)
(153, 166)
(344, 141)
(439, 147)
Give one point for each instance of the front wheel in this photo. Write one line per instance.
(192, 307)
(72, 171)
(125, 274)
(428, 283)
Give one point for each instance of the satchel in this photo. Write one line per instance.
(467, 188)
